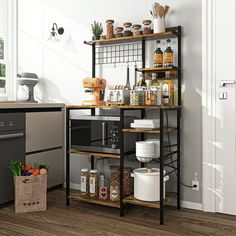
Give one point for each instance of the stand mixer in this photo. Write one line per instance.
(96, 87)
(27, 81)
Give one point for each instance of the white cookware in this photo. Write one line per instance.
(157, 146)
(145, 151)
(147, 184)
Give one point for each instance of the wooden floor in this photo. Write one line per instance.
(86, 219)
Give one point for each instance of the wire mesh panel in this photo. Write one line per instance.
(118, 53)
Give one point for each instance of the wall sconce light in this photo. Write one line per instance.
(55, 31)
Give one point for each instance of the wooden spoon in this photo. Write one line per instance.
(160, 11)
(166, 10)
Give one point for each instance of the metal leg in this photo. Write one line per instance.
(93, 112)
(178, 158)
(161, 167)
(67, 157)
(142, 134)
(121, 161)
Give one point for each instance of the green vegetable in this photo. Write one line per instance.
(16, 167)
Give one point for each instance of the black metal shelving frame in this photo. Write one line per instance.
(163, 161)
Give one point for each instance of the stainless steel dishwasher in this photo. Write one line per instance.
(12, 147)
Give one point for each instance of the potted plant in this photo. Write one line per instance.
(96, 30)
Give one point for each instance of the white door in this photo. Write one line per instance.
(225, 110)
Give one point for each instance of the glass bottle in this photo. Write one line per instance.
(93, 184)
(84, 181)
(168, 92)
(168, 55)
(158, 55)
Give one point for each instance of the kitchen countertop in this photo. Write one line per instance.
(16, 105)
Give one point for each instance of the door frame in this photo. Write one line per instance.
(208, 106)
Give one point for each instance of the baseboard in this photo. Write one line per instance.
(184, 204)
(191, 205)
(73, 186)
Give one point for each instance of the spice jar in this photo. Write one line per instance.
(114, 192)
(119, 32)
(93, 184)
(147, 27)
(115, 178)
(84, 181)
(137, 29)
(141, 94)
(103, 188)
(128, 30)
(110, 29)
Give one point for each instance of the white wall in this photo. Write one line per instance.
(61, 67)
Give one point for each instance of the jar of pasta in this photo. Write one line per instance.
(84, 181)
(110, 29)
(93, 184)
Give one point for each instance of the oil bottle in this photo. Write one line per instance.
(168, 92)
(158, 55)
(168, 55)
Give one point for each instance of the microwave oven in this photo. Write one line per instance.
(100, 134)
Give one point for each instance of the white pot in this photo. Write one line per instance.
(159, 25)
(147, 185)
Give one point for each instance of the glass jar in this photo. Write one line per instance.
(110, 29)
(84, 181)
(115, 192)
(134, 98)
(103, 188)
(141, 94)
(119, 32)
(93, 184)
(127, 180)
(137, 29)
(128, 29)
(147, 27)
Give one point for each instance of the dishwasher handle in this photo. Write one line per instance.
(11, 136)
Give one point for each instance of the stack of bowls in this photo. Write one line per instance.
(145, 151)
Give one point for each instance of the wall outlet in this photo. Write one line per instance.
(195, 185)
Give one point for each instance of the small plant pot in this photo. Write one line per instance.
(96, 37)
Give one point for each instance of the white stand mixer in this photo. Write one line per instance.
(29, 80)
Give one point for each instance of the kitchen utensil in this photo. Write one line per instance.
(145, 151)
(127, 80)
(156, 146)
(166, 10)
(147, 184)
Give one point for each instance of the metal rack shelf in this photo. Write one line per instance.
(164, 157)
(153, 131)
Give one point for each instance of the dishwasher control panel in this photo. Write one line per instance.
(12, 121)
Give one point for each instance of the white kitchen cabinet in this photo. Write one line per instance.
(45, 143)
(54, 161)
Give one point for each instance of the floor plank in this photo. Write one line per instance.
(86, 219)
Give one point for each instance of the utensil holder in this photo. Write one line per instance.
(159, 25)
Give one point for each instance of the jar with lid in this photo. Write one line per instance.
(84, 181)
(134, 98)
(93, 184)
(137, 29)
(128, 29)
(110, 29)
(147, 27)
(141, 94)
(115, 192)
(150, 98)
(119, 32)
(127, 180)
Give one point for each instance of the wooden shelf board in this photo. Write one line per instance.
(170, 33)
(131, 200)
(123, 107)
(159, 69)
(155, 131)
(79, 197)
(96, 154)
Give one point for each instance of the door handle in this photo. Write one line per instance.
(103, 133)
(11, 136)
(223, 83)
